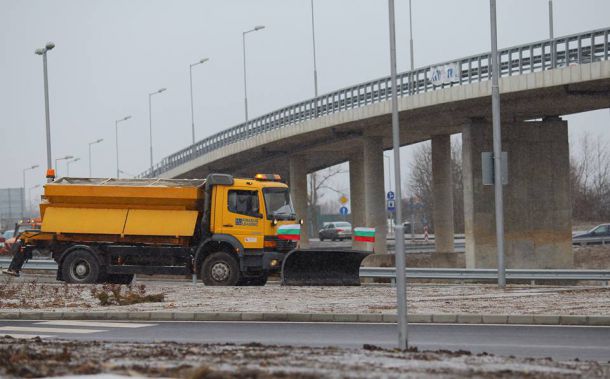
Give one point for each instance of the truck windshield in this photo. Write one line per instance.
(277, 204)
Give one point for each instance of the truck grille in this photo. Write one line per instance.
(282, 246)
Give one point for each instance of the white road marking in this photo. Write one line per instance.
(25, 336)
(48, 330)
(95, 324)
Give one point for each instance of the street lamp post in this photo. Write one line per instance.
(61, 159)
(30, 196)
(68, 163)
(552, 44)
(255, 29)
(497, 145)
(92, 143)
(313, 39)
(23, 196)
(399, 250)
(191, 81)
(116, 130)
(43, 51)
(150, 95)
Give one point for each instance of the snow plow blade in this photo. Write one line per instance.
(318, 267)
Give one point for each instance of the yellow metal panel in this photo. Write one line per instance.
(84, 220)
(160, 222)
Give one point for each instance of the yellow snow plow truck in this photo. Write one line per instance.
(223, 229)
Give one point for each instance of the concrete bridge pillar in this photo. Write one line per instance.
(537, 199)
(298, 192)
(442, 193)
(374, 194)
(356, 189)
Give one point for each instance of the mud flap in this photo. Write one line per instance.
(318, 267)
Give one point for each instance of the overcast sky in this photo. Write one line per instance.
(110, 54)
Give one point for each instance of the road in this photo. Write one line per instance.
(557, 342)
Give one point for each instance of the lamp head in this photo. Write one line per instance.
(127, 117)
(68, 157)
(39, 51)
(99, 140)
(204, 60)
(161, 90)
(259, 27)
(50, 45)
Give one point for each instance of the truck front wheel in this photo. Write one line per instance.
(80, 267)
(220, 269)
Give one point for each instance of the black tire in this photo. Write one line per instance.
(80, 266)
(119, 278)
(220, 269)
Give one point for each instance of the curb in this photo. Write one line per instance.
(315, 317)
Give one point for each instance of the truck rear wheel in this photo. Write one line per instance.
(80, 266)
(220, 269)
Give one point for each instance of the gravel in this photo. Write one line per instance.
(44, 358)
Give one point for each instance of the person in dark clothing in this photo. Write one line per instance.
(19, 259)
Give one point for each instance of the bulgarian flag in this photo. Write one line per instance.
(364, 234)
(289, 232)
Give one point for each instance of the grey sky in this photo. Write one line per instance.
(111, 54)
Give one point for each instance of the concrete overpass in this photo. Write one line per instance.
(539, 82)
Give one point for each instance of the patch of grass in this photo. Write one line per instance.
(116, 294)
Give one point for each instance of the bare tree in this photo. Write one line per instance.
(420, 184)
(319, 187)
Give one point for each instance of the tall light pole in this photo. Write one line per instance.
(399, 250)
(150, 95)
(43, 51)
(191, 81)
(497, 145)
(61, 159)
(92, 143)
(23, 196)
(243, 40)
(411, 37)
(116, 130)
(68, 163)
(30, 196)
(313, 39)
(552, 44)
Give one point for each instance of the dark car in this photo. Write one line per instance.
(339, 230)
(597, 235)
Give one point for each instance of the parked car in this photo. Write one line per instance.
(11, 235)
(594, 236)
(337, 230)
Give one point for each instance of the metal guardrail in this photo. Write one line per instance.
(424, 273)
(579, 48)
(485, 274)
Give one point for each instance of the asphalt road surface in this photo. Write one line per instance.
(557, 342)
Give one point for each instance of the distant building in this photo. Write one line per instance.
(11, 206)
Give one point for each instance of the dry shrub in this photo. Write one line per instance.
(116, 294)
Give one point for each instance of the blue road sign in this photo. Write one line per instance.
(391, 205)
(390, 195)
(343, 211)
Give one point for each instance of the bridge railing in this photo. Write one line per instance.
(543, 55)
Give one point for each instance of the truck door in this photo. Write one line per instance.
(242, 217)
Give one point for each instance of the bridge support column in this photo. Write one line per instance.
(298, 192)
(356, 189)
(537, 200)
(442, 193)
(374, 195)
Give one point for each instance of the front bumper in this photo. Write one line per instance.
(272, 261)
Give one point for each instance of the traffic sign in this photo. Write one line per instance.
(391, 205)
(390, 195)
(343, 211)
(343, 199)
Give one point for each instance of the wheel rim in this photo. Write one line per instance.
(81, 269)
(220, 271)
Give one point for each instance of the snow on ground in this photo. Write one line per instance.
(422, 299)
(40, 358)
